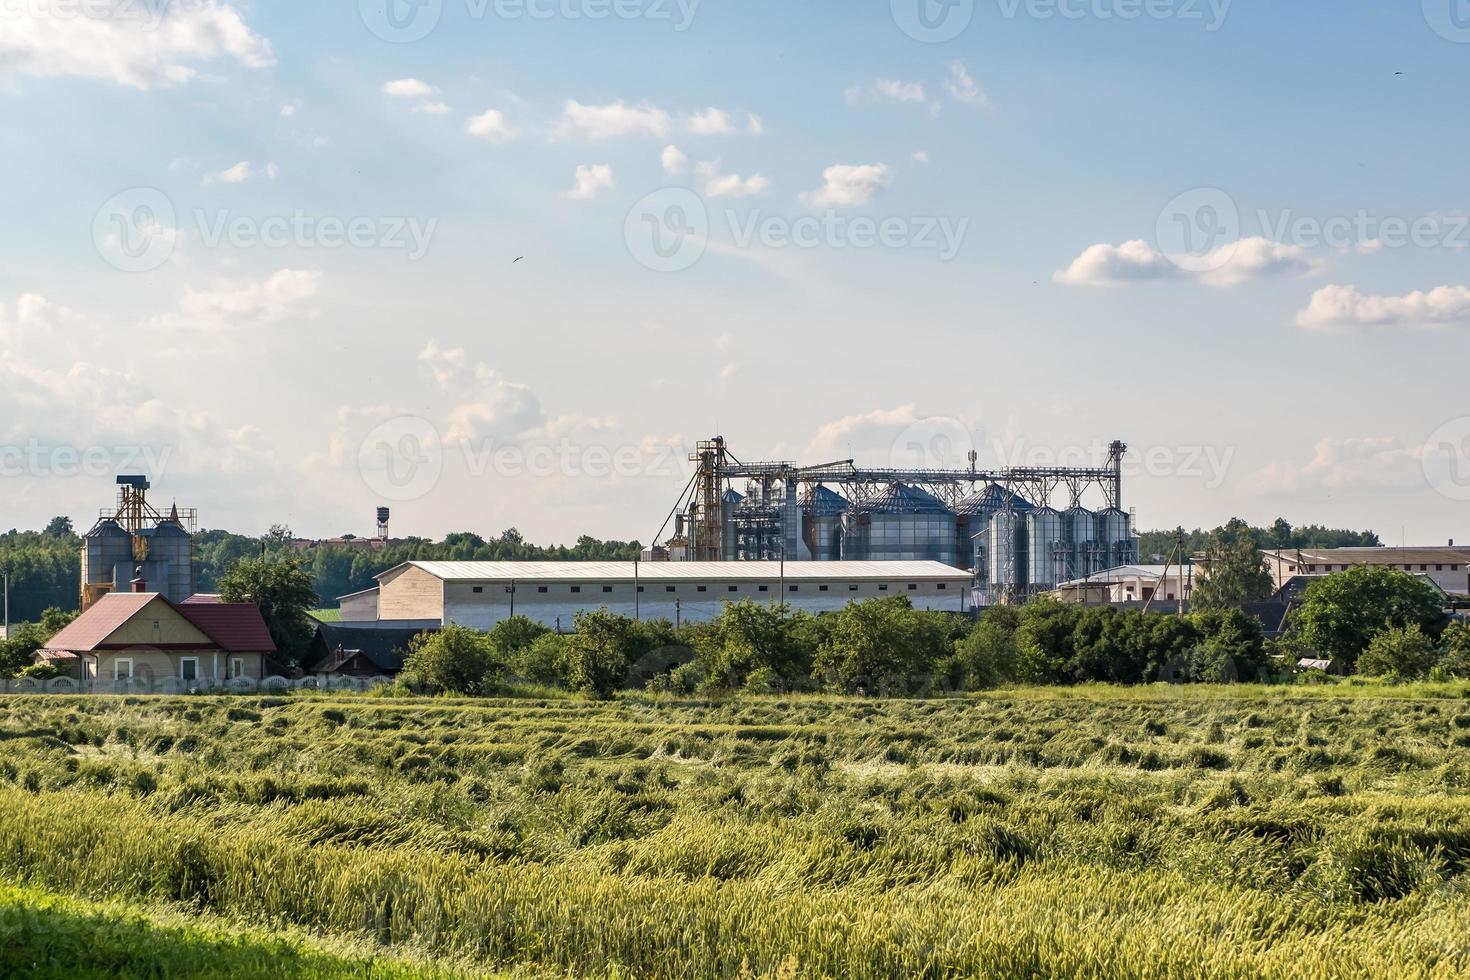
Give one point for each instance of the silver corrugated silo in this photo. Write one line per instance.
(1047, 549)
(903, 523)
(821, 517)
(1115, 534)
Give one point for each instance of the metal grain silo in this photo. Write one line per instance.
(821, 519)
(1079, 525)
(105, 547)
(972, 520)
(172, 551)
(902, 523)
(1006, 555)
(1047, 549)
(727, 528)
(1115, 533)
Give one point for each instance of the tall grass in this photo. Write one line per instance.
(1235, 832)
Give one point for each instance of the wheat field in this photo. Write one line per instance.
(1096, 832)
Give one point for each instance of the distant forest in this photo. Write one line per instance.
(45, 565)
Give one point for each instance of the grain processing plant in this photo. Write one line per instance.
(134, 542)
(1022, 530)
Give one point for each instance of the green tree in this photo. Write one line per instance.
(748, 636)
(1341, 613)
(599, 653)
(1235, 573)
(59, 527)
(1454, 660)
(1232, 648)
(516, 633)
(1404, 652)
(987, 656)
(280, 587)
(453, 660)
(543, 661)
(883, 644)
(18, 650)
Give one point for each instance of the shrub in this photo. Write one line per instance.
(1403, 653)
(454, 660)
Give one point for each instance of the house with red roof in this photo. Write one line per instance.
(142, 636)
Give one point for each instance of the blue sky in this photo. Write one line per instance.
(1304, 359)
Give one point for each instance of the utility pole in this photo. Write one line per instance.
(678, 613)
(637, 593)
(6, 573)
(512, 598)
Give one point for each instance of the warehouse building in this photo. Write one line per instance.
(481, 594)
(1448, 567)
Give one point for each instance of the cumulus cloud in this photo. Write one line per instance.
(241, 305)
(963, 88)
(754, 124)
(139, 45)
(418, 94)
(733, 185)
(487, 405)
(594, 123)
(848, 185)
(921, 156)
(591, 178)
(711, 122)
(1345, 306)
(674, 160)
(1353, 463)
(1247, 260)
(491, 125)
(240, 173)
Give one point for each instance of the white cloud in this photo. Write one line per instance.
(1350, 464)
(237, 174)
(488, 406)
(617, 119)
(850, 185)
(894, 90)
(711, 122)
(420, 95)
(491, 125)
(289, 109)
(591, 178)
(921, 156)
(139, 45)
(733, 185)
(864, 436)
(963, 88)
(1346, 306)
(272, 171)
(1371, 246)
(674, 160)
(241, 305)
(1247, 260)
(754, 124)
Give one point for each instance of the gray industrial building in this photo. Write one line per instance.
(133, 541)
(1002, 525)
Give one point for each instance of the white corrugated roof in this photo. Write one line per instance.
(690, 571)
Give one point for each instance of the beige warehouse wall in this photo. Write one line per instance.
(410, 593)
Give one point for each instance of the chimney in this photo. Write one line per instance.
(138, 584)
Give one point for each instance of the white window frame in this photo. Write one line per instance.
(237, 667)
(185, 660)
(117, 673)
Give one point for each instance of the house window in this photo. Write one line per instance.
(1454, 568)
(189, 668)
(670, 588)
(607, 588)
(576, 588)
(942, 586)
(1326, 568)
(732, 588)
(237, 666)
(793, 588)
(122, 669)
(1423, 568)
(1439, 568)
(882, 588)
(852, 588)
(913, 587)
(541, 588)
(477, 589)
(821, 588)
(640, 588)
(765, 588)
(702, 588)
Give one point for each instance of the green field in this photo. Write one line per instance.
(1160, 831)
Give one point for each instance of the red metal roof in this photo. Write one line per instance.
(99, 622)
(237, 627)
